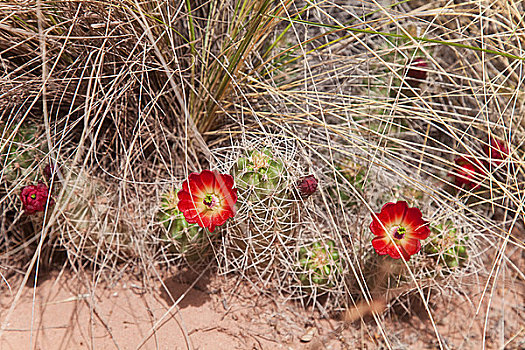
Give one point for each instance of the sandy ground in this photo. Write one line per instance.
(63, 313)
(66, 314)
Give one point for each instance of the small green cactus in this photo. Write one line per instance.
(319, 264)
(450, 250)
(186, 240)
(19, 153)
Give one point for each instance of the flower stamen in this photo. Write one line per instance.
(399, 232)
(210, 200)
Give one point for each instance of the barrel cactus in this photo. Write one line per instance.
(185, 240)
(265, 220)
(87, 222)
(260, 175)
(319, 264)
(449, 249)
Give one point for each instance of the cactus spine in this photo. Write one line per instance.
(447, 247)
(87, 222)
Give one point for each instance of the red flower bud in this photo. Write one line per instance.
(417, 73)
(34, 198)
(496, 151)
(49, 171)
(307, 186)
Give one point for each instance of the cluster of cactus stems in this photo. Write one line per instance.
(186, 240)
(265, 218)
(88, 221)
(84, 220)
(319, 264)
(446, 246)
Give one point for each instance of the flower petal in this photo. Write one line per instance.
(207, 179)
(410, 246)
(205, 220)
(415, 225)
(224, 181)
(376, 228)
(223, 215)
(196, 187)
(421, 232)
(392, 214)
(229, 200)
(381, 245)
(395, 252)
(190, 213)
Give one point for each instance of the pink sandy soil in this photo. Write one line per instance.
(65, 313)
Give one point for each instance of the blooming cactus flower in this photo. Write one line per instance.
(469, 172)
(35, 197)
(207, 199)
(307, 186)
(496, 151)
(399, 230)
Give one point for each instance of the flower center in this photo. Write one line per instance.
(33, 196)
(260, 160)
(210, 200)
(321, 258)
(398, 232)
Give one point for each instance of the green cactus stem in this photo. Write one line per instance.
(185, 239)
(265, 219)
(319, 264)
(260, 173)
(446, 246)
(19, 154)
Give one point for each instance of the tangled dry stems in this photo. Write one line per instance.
(129, 97)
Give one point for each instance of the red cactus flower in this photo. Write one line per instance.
(207, 199)
(399, 226)
(469, 173)
(417, 73)
(497, 151)
(35, 197)
(307, 186)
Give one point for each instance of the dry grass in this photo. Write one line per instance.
(127, 98)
